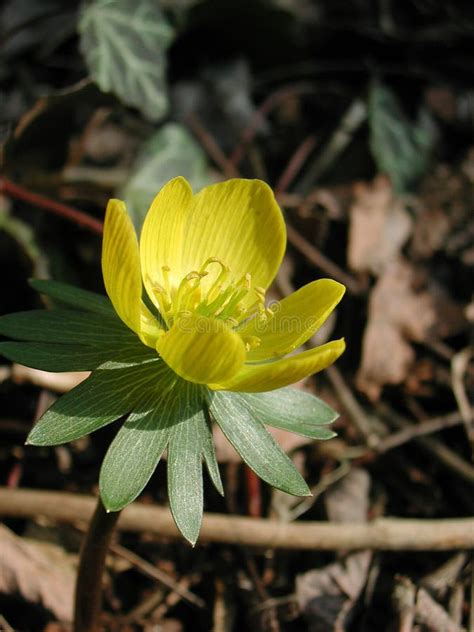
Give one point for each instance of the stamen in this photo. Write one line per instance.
(231, 306)
(251, 342)
(186, 288)
(216, 307)
(166, 278)
(222, 278)
(223, 297)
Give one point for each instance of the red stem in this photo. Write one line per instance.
(80, 218)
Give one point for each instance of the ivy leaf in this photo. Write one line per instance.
(293, 410)
(109, 393)
(170, 152)
(401, 148)
(124, 44)
(255, 445)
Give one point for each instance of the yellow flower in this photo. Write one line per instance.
(206, 261)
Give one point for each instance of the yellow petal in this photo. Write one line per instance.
(240, 223)
(296, 318)
(162, 236)
(202, 349)
(121, 270)
(256, 378)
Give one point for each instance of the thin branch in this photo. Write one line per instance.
(382, 534)
(362, 420)
(424, 428)
(264, 109)
(321, 261)
(210, 145)
(353, 118)
(157, 574)
(12, 190)
(295, 163)
(445, 455)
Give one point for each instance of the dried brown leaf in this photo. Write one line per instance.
(379, 227)
(348, 499)
(327, 595)
(398, 314)
(38, 573)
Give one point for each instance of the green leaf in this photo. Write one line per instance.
(170, 152)
(137, 448)
(402, 149)
(63, 357)
(65, 326)
(74, 296)
(109, 393)
(292, 409)
(124, 44)
(185, 489)
(255, 445)
(209, 455)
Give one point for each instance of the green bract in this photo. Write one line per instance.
(128, 378)
(201, 346)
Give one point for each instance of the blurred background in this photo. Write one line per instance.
(360, 115)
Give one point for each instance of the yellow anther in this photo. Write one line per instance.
(260, 292)
(166, 278)
(251, 342)
(220, 297)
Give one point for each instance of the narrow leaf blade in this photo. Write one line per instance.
(66, 327)
(74, 297)
(63, 357)
(292, 409)
(109, 393)
(137, 448)
(209, 455)
(185, 487)
(255, 445)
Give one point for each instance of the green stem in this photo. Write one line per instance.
(88, 599)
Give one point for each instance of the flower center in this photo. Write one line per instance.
(213, 292)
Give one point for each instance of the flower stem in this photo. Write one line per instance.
(88, 599)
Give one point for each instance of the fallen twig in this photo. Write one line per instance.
(424, 428)
(432, 615)
(58, 382)
(459, 365)
(367, 426)
(445, 455)
(157, 574)
(381, 534)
